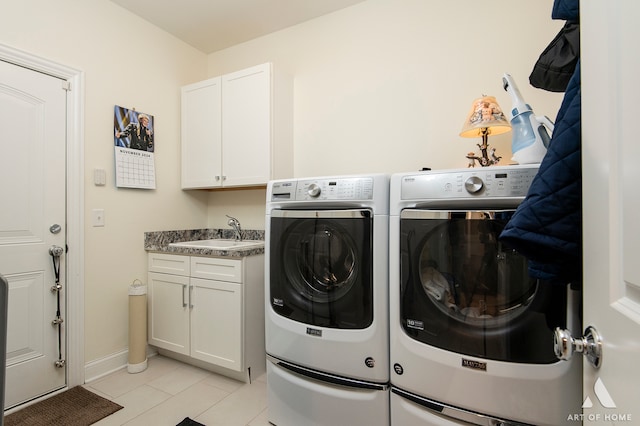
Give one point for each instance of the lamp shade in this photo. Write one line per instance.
(485, 114)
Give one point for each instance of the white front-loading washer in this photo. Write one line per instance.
(471, 333)
(326, 257)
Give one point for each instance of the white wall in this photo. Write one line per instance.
(382, 86)
(385, 85)
(130, 63)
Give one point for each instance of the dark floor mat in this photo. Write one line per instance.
(74, 407)
(188, 422)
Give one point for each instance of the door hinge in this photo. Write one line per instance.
(66, 85)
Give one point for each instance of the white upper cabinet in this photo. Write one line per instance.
(237, 129)
(201, 134)
(246, 126)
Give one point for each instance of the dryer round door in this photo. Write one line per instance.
(321, 267)
(323, 263)
(465, 291)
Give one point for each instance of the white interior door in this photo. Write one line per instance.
(611, 150)
(32, 193)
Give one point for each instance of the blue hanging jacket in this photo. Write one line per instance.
(567, 10)
(547, 226)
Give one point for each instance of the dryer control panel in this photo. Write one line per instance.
(360, 188)
(488, 182)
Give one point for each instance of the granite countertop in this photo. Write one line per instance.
(158, 241)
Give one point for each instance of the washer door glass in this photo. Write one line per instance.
(321, 267)
(470, 276)
(325, 264)
(464, 290)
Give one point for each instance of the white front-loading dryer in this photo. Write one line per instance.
(326, 257)
(471, 333)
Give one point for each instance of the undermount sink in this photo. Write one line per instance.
(220, 244)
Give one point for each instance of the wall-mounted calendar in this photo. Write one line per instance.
(134, 149)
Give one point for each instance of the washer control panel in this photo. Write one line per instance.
(325, 189)
(507, 181)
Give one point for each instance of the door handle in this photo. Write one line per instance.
(564, 345)
(56, 251)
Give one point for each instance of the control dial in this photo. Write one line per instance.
(314, 190)
(473, 184)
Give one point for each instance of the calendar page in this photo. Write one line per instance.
(135, 169)
(134, 148)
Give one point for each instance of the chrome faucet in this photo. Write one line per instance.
(235, 224)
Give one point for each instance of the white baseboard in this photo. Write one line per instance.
(101, 367)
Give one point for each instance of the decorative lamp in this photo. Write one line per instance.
(485, 118)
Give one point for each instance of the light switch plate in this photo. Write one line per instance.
(99, 177)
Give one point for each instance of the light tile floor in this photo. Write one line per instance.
(168, 391)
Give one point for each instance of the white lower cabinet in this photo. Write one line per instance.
(168, 325)
(216, 323)
(209, 311)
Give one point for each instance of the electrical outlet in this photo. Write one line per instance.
(98, 217)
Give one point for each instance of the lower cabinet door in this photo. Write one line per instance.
(216, 322)
(169, 312)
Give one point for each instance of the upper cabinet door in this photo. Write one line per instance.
(246, 126)
(201, 134)
(237, 130)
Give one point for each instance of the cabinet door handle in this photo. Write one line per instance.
(184, 302)
(190, 296)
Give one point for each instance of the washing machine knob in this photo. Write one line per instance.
(473, 184)
(314, 190)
